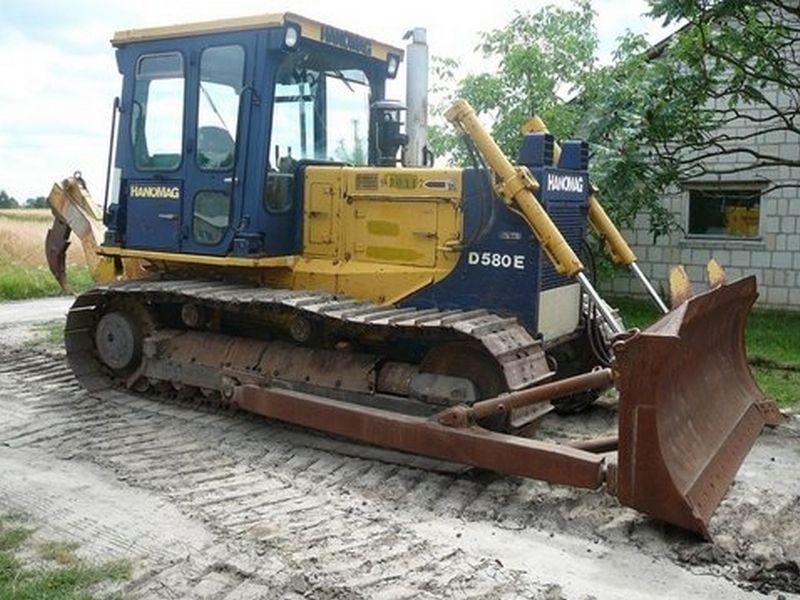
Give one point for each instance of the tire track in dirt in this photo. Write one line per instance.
(274, 503)
(313, 501)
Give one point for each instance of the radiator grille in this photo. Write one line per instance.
(367, 181)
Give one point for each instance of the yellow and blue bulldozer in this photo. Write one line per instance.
(274, 236)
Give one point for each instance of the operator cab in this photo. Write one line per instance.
(218, 120)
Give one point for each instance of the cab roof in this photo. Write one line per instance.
(309, 28)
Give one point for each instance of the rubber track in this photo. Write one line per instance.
(518, 354)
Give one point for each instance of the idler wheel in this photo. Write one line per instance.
(118, 341)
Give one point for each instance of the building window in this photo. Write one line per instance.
(724, 212)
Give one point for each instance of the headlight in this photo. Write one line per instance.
(291, 36)
(392, 64)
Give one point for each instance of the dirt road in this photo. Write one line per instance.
(27, 311)
(217, 504)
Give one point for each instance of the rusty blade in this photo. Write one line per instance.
(689, 408)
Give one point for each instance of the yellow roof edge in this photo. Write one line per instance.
(311, 29)
(127, 36)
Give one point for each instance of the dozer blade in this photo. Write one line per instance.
(689, 408)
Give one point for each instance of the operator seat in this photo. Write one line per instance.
(215, 148)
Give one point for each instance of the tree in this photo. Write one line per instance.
(547, 65)
(740, 60)
(540, 58)
(356, 154)
(38, 202)
(654, 117)
(7, 201)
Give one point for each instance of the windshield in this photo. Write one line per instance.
(321, 110)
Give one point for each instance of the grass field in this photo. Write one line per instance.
(31, 569)
(23, 267)
(772, 344)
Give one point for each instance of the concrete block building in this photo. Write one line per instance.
(748, 220)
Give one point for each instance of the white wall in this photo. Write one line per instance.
(774, 258)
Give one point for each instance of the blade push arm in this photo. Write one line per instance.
(517, 186)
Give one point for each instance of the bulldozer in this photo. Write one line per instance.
(274, 236)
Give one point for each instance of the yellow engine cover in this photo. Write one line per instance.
(378, 233)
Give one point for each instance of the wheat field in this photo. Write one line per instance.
(22, 233)
(23, 266)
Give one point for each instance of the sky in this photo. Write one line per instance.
(59, 75)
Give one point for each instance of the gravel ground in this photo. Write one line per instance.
(210, 503)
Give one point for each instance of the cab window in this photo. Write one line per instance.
(221, 82)
(321, 113)
(157, 112)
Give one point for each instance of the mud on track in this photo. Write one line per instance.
(266, 510)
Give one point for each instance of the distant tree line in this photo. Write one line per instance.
(7, 201)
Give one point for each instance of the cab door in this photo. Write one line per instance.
(218, 103)
(151, 147)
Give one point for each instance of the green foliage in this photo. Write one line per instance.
(547, 66)
(635, 313)
(539, 57)
(771, 339)
(38, 202)
(12, 537)
(734, 55)
(18, 282)
(61, 552)
(51, 332)
(654, 117)
(7, 201)
(781, 385)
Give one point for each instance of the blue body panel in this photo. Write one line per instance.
(568, 210)
(564, 193)
(157, 209)
(487, 275)
(509, 283)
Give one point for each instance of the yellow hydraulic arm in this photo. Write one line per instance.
(616, 246)
(517, 186)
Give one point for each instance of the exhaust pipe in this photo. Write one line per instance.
(417, 153)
